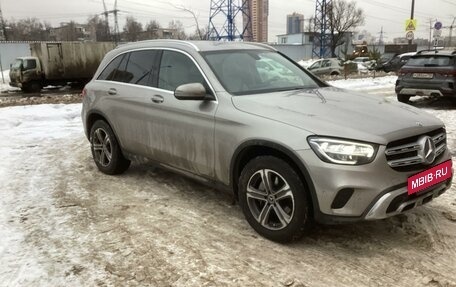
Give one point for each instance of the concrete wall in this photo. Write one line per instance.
(11, 50)
(300, 52)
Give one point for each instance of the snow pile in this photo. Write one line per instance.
(4, 82)
(307, 63)
(380, 85)
(39, 123)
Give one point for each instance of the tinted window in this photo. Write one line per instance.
(140, 67)
(430, 61)
(177, 69)
(315, 65)
(29, 64)
(109, 72)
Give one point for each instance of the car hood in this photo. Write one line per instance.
(339, 113)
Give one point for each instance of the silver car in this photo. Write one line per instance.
(331, 66)
(291, 148)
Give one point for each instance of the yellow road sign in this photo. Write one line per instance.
(410, 25)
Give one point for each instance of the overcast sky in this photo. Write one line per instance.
(390, 14)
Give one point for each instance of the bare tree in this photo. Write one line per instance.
(199, 34)
(344, 18)
(152, 29)
(179, 28)
(202, 34)
(30, 29)
(132, 29)
(99, 28)
(311, 24)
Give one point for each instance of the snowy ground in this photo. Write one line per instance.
(63, 223)
(4, 83)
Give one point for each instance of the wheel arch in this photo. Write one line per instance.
(94, 116)
(254, 148)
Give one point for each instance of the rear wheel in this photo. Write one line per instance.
(32, 87)
(403, 98)
(273, 199)
(106, 151)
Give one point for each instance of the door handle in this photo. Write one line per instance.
(112, 92)
(157, 99)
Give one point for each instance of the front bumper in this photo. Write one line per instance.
(372, 188)
(398, 201)
(15, 84)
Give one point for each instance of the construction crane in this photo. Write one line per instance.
(106, 15)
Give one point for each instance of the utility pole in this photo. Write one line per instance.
(380, 39)
(430, 33)
(322, 38)
(116, 23)
(411, 17)
(227, 12)
(451, 32)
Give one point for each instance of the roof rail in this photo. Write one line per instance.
(428, 50)
(262, 45)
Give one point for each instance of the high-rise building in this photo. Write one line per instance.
(295, 23)
(258, 11)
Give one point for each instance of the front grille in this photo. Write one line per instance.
(407, 154)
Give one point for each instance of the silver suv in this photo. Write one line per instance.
(292, 148)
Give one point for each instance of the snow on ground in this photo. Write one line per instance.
(307, 63)
(63, 223)
(4, 82)
(379, 85)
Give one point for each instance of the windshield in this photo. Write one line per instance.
(430, 61)
(16, 64)
(244, 72)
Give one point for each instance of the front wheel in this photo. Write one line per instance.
(273, 199)
(106, 151)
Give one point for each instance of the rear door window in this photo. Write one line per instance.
(140, 67)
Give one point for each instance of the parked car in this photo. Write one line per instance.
(291, 149)
(395, 63)
(330, 66)
(427, 73)
(364, 63)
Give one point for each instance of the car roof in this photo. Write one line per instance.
(435, 52)
(407, 54)
(196, 45)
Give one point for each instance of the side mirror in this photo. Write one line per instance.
(192, 91)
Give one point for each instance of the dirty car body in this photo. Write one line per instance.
(289, 146)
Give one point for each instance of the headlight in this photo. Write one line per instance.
(342, 151)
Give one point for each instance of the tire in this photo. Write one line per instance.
(106, 151)
(279, 216)
(403, 98)
(334, 73)
(32, 87)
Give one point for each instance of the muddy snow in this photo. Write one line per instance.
(63, 223)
